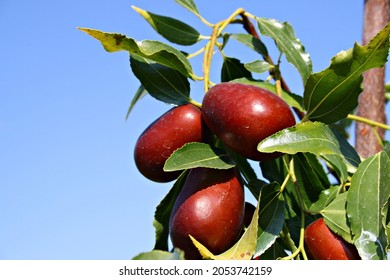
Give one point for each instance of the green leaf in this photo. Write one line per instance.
(325, 198)
(293, 100)
(349, 154)
(312, 137)
(338, 166)
(152, 50)
(195, 154)
(258, 66)
(171, 29)
(335, 217)
(271, 218)
(244, 247)
(189, 5)
(177, 254)
(251, 42)
(141, 92)
(310, 178)
(161, 82)
(367, 197)
(332, 94)
(287, 43)
(276, 251)
(163, 213)
(232, 69)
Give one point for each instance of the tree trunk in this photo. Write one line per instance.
(372, 100)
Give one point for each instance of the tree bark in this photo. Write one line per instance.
(372, 100)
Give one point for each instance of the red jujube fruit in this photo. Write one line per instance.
(210, 207)
(178, 126)
(243, 115)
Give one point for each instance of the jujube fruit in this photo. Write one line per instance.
(178, 126)
(323, 244)
(243, 115)
(210, 207)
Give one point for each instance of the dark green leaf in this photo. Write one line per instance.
(271, 218)
(311, 179)
(251, 42)
(161, 82)
(335, 217)
(367, 201)
(274, 170)
(171, 29)
(196, 154)
(232, 69)
(338, 166)
(189, 5)
(349, 154)
(276, 251)
(151, 50)
(287, 43)
(332, 94)
(163, 213)
(160, 255)
(141, 92)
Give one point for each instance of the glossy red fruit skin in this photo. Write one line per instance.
(178, 126)
(243, 115)
(210, 208)
(323, 244)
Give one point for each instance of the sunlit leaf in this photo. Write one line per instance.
(161, 82)
(152, 50)
(287, 43)
(258, 66)
(332, 94)
(171, 29)
(195, 154)
(367, 205)
(335, 217)
(177, 254)
(312, 137)
(189, 5)
(325, 198)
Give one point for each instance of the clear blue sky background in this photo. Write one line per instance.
(68, 185)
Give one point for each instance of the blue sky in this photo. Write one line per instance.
(69, 186)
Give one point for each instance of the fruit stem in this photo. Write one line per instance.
(196, 103)
(198, 52)
(208, 54)
(209, 48)
(368, 121)
(301, 246)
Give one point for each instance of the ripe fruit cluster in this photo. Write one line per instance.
(211, 205)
